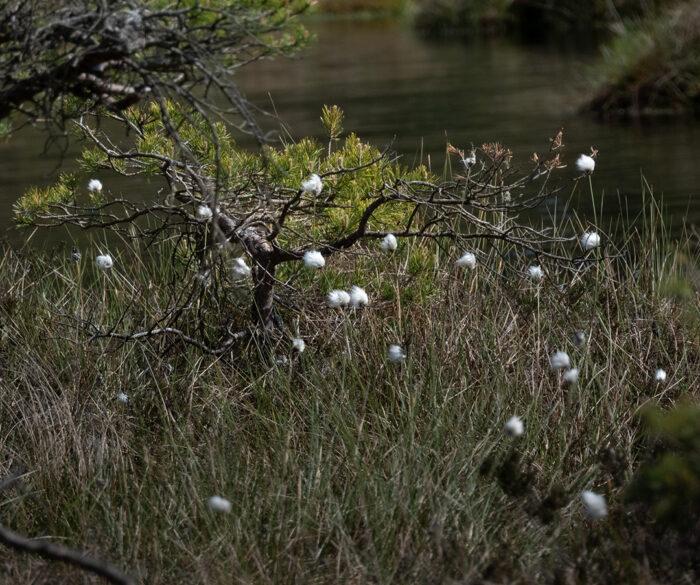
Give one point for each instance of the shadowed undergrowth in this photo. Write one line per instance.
(653, 65)
(341, 466)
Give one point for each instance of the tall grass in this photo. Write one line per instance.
(343, 467)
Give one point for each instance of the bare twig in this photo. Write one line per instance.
(55, 552)
(143, 335)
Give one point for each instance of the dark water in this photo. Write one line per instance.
(398, 87)
(395, 85)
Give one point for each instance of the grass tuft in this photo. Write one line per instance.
(341, 466)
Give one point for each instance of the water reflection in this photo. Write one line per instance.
(395, 85)
(399, 88)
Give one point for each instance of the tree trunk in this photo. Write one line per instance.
(263, 293)
(264, 265)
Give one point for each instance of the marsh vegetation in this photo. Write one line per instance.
(316, 362)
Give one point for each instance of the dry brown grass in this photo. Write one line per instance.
(343, 467)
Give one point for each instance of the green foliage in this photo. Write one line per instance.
(332, 120)
(92, 160)
(354, 172)
(419, 261)
(38, 201)
(670, 484)
(5, 129)
(196, 132)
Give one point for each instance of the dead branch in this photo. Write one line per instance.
(115, 54)
(144, 335)
(55, 552)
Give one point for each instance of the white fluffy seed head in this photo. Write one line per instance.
(338, 298)
(467, 260)
(396, 353)
(469, 161)
(560, 361)
(104, 261)
(95, 186)
(298, 344)
(204, 213)
(579, 337)
(585, 164)
(314, 259)
(313, 185)
(219, 504)
(358, 297)
(571, 376)
(240, 269)
(590, 240)
(204, 276)
(660, 375)
(535, 272)
(595, 505)
(123, 398)
(514, 426)
(389, 243)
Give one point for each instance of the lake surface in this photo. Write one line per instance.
(397, 87)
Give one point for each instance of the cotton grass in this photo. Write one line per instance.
(314, 259)
(95, 186)
(313, 185)
(104, 261)
(514, 426)
(204, 213)
(338, 298)
(358, 297)
(594, 505)
(535, 273)
(560, 360)
(389, 243)
(585, 164)
(219, 504)
(396, 354)
(467, 260)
